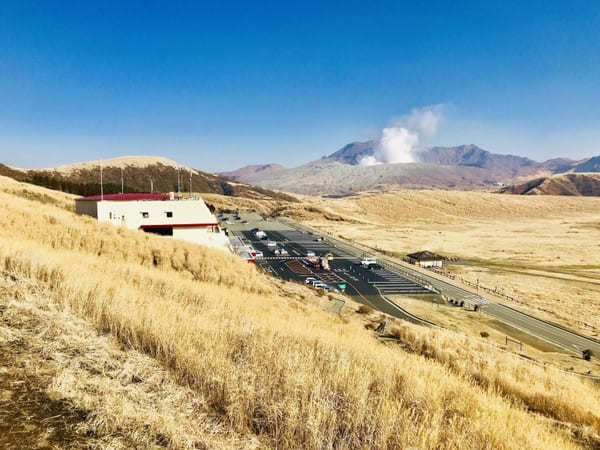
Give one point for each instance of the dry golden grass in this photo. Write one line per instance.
(65, 386)
(223, 202)
(542, 250)
(267, 361)
(472, 324)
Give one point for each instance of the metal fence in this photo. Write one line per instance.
(358, 251)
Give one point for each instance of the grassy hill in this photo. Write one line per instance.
(538, 249)
(587, 184)
(84, 179)
(146, 341)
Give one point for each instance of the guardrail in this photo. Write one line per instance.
(358, 252)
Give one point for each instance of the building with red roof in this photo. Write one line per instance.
(163, 214)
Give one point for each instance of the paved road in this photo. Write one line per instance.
(370, 287)
(366, 286)
(557, 336)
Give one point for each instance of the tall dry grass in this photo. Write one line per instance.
(541, 250)
(269, 364)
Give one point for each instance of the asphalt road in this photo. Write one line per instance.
(370, 287)
(365, 286)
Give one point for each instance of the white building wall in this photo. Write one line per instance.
(139, 213)
(131, 213)
(203, 236)
(430, 263)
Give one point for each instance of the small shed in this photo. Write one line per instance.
(425, 259)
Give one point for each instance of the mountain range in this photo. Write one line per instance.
(459, 167)
(586, 184)
(140, 174)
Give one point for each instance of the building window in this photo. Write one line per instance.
(145, 215)
(169, 213)
(110, 215)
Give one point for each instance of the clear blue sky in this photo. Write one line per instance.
(227, 84)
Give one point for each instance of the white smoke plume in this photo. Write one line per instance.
(398, 143)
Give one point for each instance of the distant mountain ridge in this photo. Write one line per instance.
(591, 165)
(473, 156)
(459, 167)
(245, 171)
(140, 174)
(355, 151)
(469, 155)
(579, 184)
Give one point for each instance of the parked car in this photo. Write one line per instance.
(281, 251)
(271, 244)
(319, 239)
(259, 254)
(375, 266)
(310, 280)
(366, 261)
(244, 221)
(310, 253)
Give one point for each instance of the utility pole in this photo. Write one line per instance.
(178, 181)
(121, 180)
(101, 185)
(151, 186)
(190, 183)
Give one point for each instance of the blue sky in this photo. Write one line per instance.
(219, 85)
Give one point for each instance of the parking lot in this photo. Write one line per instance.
(364, 285)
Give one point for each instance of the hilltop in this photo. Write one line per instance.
(140, 174)
(246, 171)
(460, 167)
(122, 162)
(141, 341)
(586, 184)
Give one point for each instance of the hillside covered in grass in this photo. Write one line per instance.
(140, 174)
(144, 341)
(539, 250)
(587, 184)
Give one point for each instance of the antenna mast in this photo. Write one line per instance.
(178, 181)
(190, 183)
(121, 180)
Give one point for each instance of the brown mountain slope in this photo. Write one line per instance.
(257, 363)
(243, 172)
(140, 174)
(586, 184)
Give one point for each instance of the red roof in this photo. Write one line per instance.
(125, 197)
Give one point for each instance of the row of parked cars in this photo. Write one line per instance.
(272, 245)
(318, 284)
(223, 218)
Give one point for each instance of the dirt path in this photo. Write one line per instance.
(29, 418)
